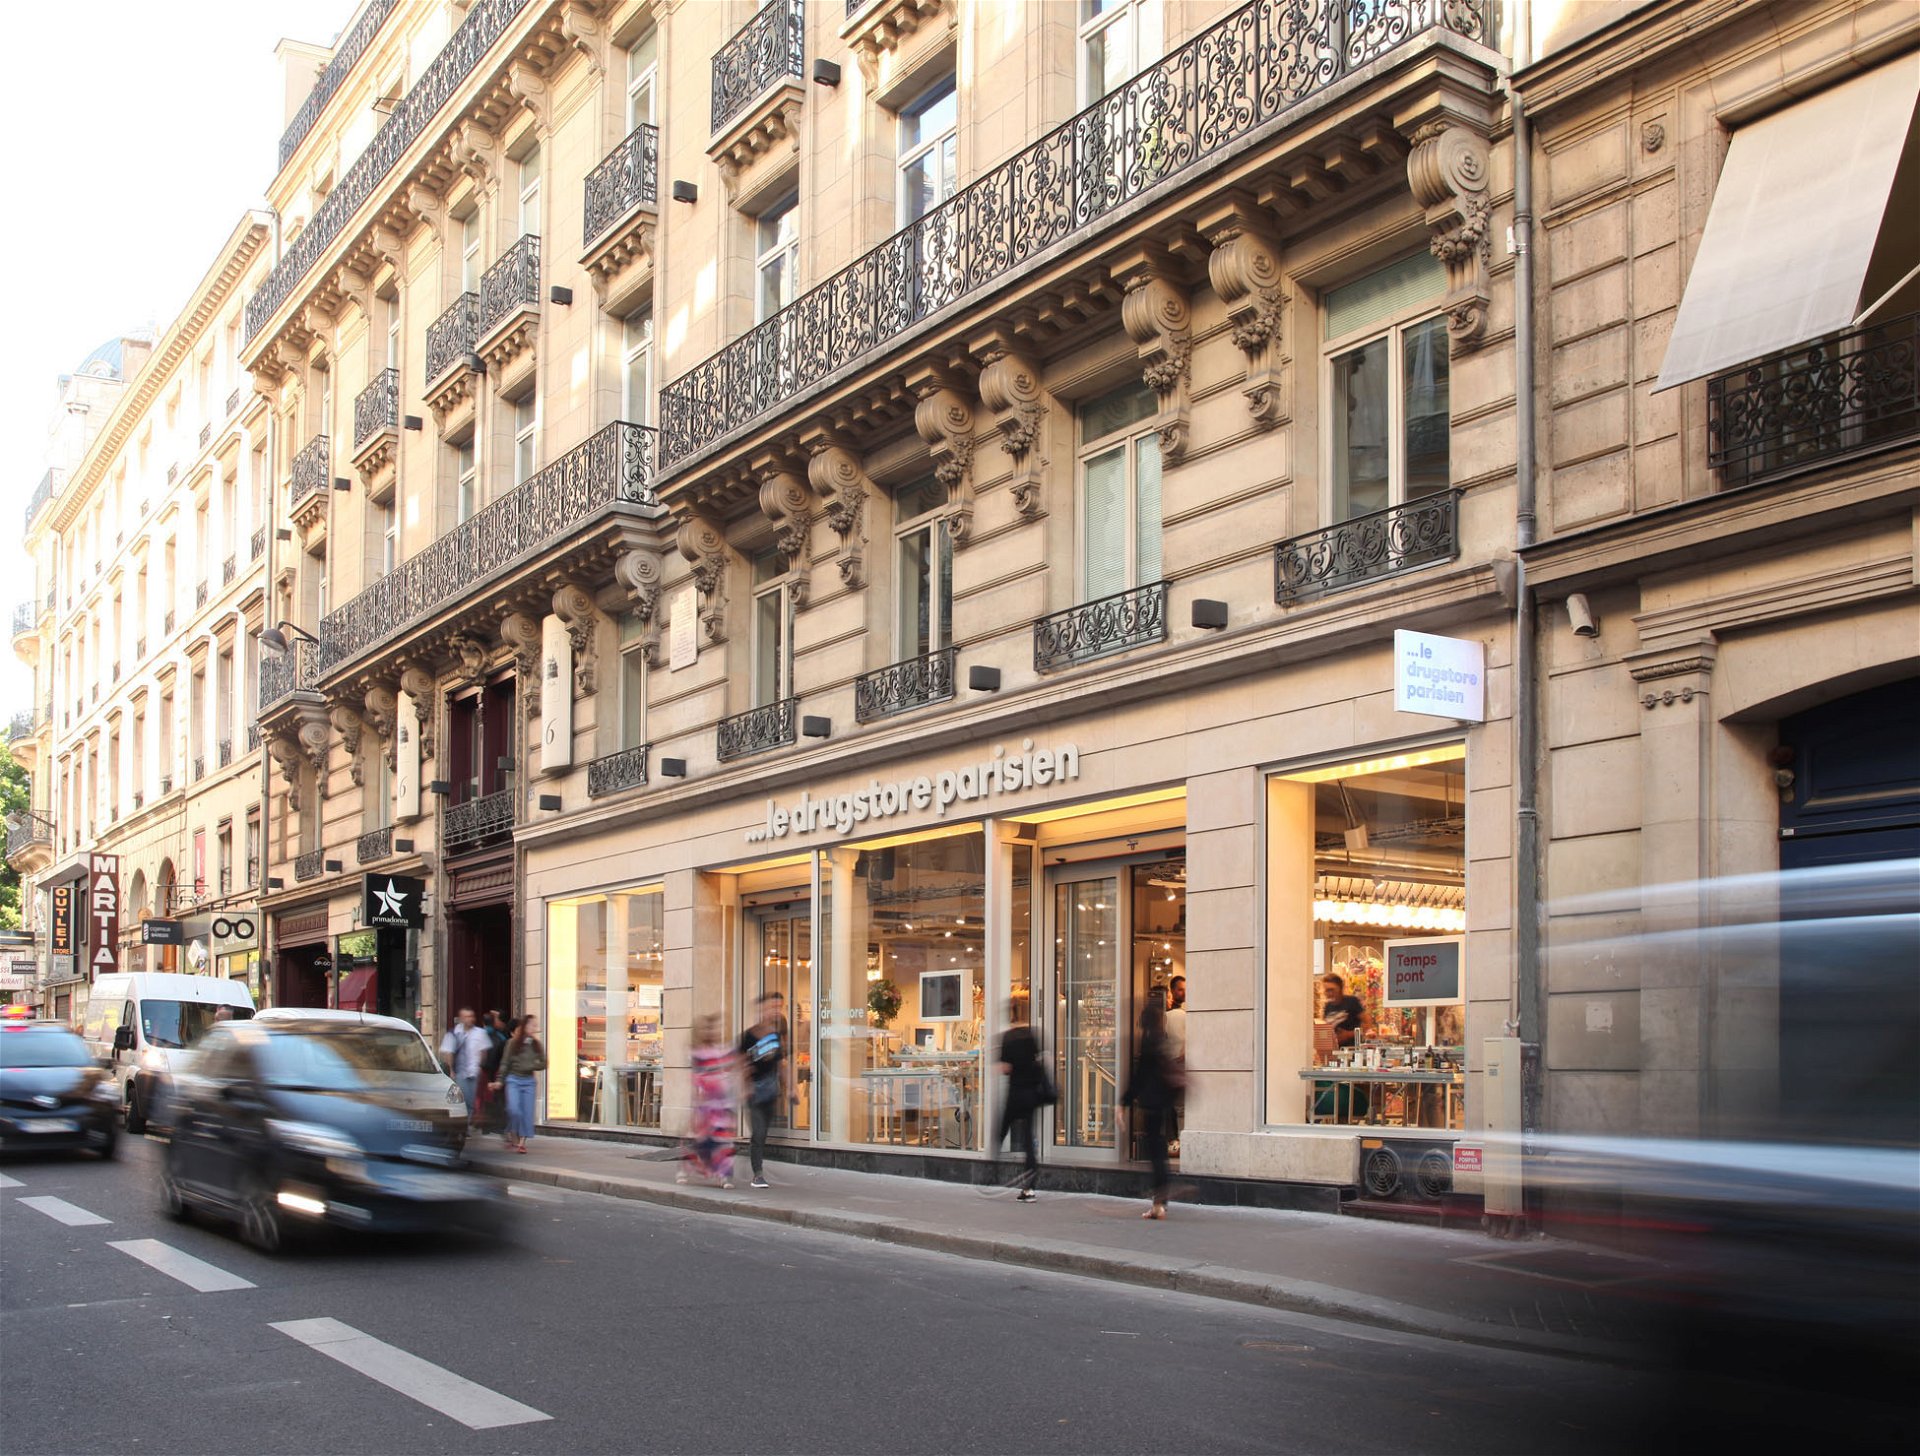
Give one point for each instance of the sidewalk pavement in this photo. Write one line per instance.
(1543, 1296)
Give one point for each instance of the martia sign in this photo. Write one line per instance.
(1004, 773)
(103, 912)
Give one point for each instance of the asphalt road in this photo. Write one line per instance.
(599, 1325)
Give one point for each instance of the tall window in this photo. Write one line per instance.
(929, 152)
(772, 631)
(636, 369)
(1387, 369)
(253, 846)
(633, 684)
(393, 334)
(642, 63)
(1119, 493)
(923, 553)
(466, 482)
(530, 193)
(470, 252)
(389, 523)
(526, 436)
(1118, 38)
(776, 258)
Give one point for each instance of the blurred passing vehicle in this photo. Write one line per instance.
(144, 1024)
(53, 1094)
(302, 1118)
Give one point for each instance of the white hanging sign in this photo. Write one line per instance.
(556, 695)
(1443, 677)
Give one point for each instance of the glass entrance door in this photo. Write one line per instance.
(1087, 1033)
(785, 950)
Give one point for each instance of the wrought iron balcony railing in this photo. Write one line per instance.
(20, 726)
(1126, 619)
(253, 736)
(617, 772)
(511, 284)
(375, 844)
(309, 470)
(350, 47)
(309, 865)
(612, 467)
(199, 595)
(905, 685)
(257, 544)
(486, 21)
(377, 407)
(24, 617)
(451, 337)
(27, 828)
(625, 180)
(755, 731)
(1385, 543)
(1233, 78)
(225, 753)
(206, 435)
(233, 404)
(139, 649)
(166, 622)
(768, 48)
(477, 823)
(42, 493)
(1845, 395)
(282, 674)
(229, 569)
(199, 767)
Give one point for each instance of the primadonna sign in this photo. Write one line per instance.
(1004, 773)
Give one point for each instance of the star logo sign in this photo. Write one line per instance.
(391, 901)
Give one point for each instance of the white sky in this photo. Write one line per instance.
(142, 131)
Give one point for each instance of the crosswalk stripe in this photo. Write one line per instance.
(58, 1208)
(179, 1264)
(438, 1389)
(6, 1182)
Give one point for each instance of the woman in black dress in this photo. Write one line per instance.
(1028, 1090)
(1151, 1093)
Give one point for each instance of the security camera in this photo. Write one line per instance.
(1581, 615)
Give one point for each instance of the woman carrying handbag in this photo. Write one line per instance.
(520, 1061)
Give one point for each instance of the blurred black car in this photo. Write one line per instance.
(53, 1094)
(336, 1119)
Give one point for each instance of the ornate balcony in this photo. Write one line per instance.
(42, 494)
(905, 685)
(1170, 121)
(510, 311)
(1368, 548)
(350, 47)
(166, 622)
(282, 674)
(451, 337)
(618, 772)
(28, 835)
(309, 865)
(612, 468)
(623, 183)
(20, 725)
(258, 544)
(757, 730)
(1093, 629)
(25, 617)
(199, 767)
(768, 49)
(225, 754)
(477, 823)
(309, 471)
(485, 22)
(1846, 395)
(374, 845)
(233, 404)
(229, 569)
(199, 595)
(206, 435)
(253, 736)
(376, 408)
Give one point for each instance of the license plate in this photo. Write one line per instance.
(50, 1124)
(409, 1124)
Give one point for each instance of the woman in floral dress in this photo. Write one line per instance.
(709, 1149)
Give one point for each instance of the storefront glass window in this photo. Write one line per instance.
(903, 994)
(1367, 961)
(605, 979)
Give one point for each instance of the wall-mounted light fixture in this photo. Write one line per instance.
(549, 801)
(1580, 614)
(505, 762)
(414, 422)
(826, 73)
(442, 787)
(274, 882)
(1208, 613)
(558, 294)
(403, 846)
(816, 727)
(274, 639)
(983, 679)
(685, 192)
(673, 768)
(340, 482)
(332, 866)
(283, 533)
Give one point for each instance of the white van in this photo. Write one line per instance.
(142, 1024)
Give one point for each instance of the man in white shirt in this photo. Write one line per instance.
(464, 1049)
(1177, 1051)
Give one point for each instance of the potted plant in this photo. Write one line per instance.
(883, 1002)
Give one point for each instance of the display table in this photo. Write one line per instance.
(1427, 1098)
(926, 1094)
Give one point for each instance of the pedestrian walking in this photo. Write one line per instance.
(464, 1050)
(1028, 1090)
(763, 1050)
(492, 1104)
(1151, 1089)
(709, 1147)
(521, 1058)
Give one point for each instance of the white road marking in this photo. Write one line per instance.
(438, 1389)
(6, 1182)
(58, 1208)
(178, 1264)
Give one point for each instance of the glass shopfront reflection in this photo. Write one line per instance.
(606, 1048)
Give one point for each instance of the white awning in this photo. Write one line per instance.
(1794, 220)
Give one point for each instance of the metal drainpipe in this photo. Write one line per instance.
(268, 981)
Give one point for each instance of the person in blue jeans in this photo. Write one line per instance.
(522, 1059)
(763, 1052)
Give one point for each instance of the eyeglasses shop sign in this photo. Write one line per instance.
(1443, 677)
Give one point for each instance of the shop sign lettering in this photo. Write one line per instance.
(1004, 773)
(1422, 972)
(62, 927)
(1443, 677)
(103, 911)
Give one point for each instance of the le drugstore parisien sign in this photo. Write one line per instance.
(1004, 773)
(103, 912)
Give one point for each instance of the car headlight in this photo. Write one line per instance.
(455, 1097)
(313, 1139)
(104, 1092)
(154, 1060)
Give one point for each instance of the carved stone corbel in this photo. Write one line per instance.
(285, 751)
(945, 421)
(1010, 387)
(582, 29)
(472, 655)
(1244, 268)
(522, 636)
(291, 358)
(358, 290)
(429, 209)
(315, 740)
(418, 684)
(390, 247)
(1158, 318)
(573, 605)
(704, 545)
(349, 726)
(641, 574)
(530, 89)
(382, 711)
(1447, 173)
(840, 479)
(476, 152)
(786, 501)
(316, 322)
